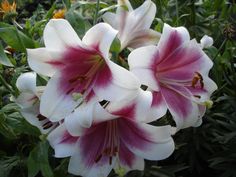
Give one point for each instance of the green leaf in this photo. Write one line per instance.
(3, 57)
(115, 46)
(67, 3)
(79, 24)
(38, 161)
(15, 38)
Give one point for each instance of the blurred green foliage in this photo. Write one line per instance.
(206, 151)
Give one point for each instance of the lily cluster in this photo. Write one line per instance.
(96, 111)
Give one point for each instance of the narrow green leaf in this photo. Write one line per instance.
(15, 38)
(3, 57)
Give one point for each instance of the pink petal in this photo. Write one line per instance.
(132, 108)
(171, 39)
(62, 142)
(146, 141)
(180, 105)
(122, 82)
(144, 67)
(158, 107)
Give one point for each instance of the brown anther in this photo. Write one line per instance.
(106, 151)
(69, 91)
(197, 77)
(47, 125)
(98, 158)
(79, 78)
(110, 160)
(41, 117)
(197, 96)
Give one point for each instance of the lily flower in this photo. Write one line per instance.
(176, 71)
(78, 68)
(133, 25)
(111, 142)
(29, 100)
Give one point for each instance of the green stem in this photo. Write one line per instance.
(96, 13)
(177, 12)
(4, 83)
(221, 46)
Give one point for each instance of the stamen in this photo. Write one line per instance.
(47, 125)
(197, 77)
(197, 96)
(111, 142)
(69, 91)
(110, 160)
(98, 158)
(41, 117)
(78, 78)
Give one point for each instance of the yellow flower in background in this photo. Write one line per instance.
(59, 14)
(6, 7)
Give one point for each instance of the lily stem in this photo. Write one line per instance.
(96, 13)
(7, 86)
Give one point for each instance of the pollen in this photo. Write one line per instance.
(197, 77)
(59, 14)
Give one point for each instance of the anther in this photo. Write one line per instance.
(41, 117)
(110, 160)
(197, 96)
(98, 158)
(197, 77)
(47, 125)
(69, 91)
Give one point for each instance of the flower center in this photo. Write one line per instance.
(84, 80)
(111, 142)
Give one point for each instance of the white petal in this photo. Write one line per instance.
(123, 84)
(144, 15)
(111, 19)
(81, 118)
(63, 147)
(101, 115)
(206, 41)
(25, 100)
(140, 63)
(158, 108)
(30, 114)
(27, 82)
(56, 105)
(58, 34)
(144, 38)
(138, 19)
(77, 167)
(142, 103)
(101, 36)
(160, 146)
(138, 164)
(39, 60)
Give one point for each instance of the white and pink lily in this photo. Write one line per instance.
(133, 25)
(29, 100)
(111, 142)
(176, 71)
(78, 67)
